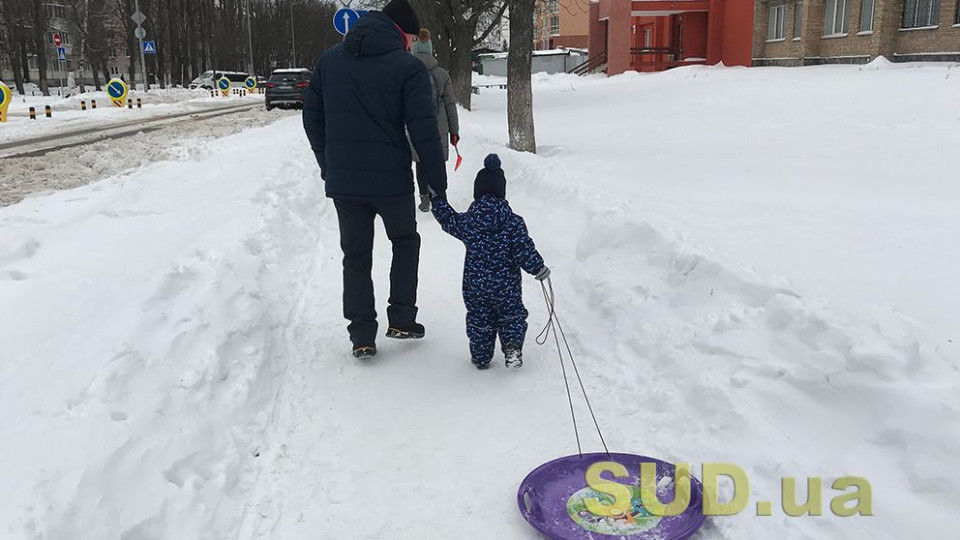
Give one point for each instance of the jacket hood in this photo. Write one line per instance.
(489, 213)
(373, 35)
(427, 59)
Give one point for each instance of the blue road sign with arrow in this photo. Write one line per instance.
(149, 47)
(344, 19)
(116, 90)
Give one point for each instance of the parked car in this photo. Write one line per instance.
(287, 88)
(208, 80)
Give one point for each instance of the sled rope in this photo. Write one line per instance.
(553, 326)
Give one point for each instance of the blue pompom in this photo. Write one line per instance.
(492, 162)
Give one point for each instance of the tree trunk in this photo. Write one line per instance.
(40, 24)
(96, 76)
(41, 47)
(461, 69)
(24, 61)
(17, 71)
(519, 90)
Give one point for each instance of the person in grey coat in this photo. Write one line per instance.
(447, 119)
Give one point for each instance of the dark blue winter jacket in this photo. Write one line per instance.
(498, 246)
(364, 93)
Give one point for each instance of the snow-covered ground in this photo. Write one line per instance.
(174, 362)
(75, 166)
(67, 114)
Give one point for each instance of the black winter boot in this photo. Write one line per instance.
(411, 331)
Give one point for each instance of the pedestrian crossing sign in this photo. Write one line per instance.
(149, 47)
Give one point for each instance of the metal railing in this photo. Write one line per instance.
(592, 65)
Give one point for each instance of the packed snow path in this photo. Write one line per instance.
(175, 366)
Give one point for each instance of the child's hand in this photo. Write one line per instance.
(543, 274)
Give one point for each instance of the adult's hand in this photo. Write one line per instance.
(454, 139)
(543, 274)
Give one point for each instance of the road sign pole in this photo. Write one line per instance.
(143, 63)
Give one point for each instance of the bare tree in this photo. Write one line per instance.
(15, 16)
(192, 36)
(457, 27)
(89, 18)
(40, 19)
(519, 88)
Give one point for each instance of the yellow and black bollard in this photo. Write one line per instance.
(83, 105)
(33, 113)
(93, 103)
(49, 111)
(213, 93)
(139, 104)
(129, 103)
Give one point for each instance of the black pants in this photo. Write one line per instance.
(422, 184)
(356, 219)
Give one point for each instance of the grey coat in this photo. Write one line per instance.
(447, 119)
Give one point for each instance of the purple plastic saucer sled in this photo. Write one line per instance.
(551, 499)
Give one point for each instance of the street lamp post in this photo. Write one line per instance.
(249, 40)
(293, 36)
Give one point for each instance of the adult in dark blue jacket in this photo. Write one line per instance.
(365, 96)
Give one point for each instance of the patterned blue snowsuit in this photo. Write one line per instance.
(498, 246)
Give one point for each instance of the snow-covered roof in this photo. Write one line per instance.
(561, 51)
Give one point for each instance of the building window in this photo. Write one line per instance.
(920, 13)
(775, 24)
(798, 21)
(836, 17)
(55, 11)
(554, 25)
(866, 16)
(555, 7)
(647, 38)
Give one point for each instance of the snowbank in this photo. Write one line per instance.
(143, 357)
(72, 167)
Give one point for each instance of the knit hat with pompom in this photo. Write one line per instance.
(423, 45)
(490, 179)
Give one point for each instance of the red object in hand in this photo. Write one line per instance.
(459, 157)
(454, 139)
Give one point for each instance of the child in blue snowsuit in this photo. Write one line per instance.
(498, 247)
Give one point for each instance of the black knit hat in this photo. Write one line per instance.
(490, 179)
(402, 13)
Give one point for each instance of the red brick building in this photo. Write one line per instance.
(810, 32)
(654, 35)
